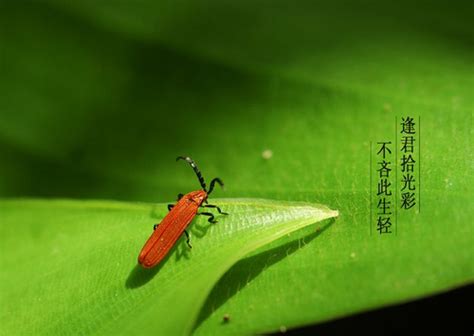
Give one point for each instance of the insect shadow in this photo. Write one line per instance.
(198, 230)
(245, 270)
(139, 276)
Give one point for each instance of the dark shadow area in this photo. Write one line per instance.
(287, 29)
(26, 173)
(140, 276)
(443, 314)
(249, 268)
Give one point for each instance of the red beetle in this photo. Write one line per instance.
(175, 222)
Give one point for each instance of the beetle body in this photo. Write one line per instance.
(171, 228)
(174, 224)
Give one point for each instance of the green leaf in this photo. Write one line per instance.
(79, 260)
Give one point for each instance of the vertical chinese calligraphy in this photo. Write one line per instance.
(384, 190)
(407, 163)
(395, 173)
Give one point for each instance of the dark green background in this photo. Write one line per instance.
(97, 99)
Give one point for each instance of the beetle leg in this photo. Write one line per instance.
(188, 239)
(216, 207)
(211, 187)
(211, 217)
(155, 226)
(170, 206)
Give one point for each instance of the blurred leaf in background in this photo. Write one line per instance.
(99, 98)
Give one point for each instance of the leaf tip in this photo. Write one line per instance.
(333, 213)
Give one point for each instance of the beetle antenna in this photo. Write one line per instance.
(196, 170)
